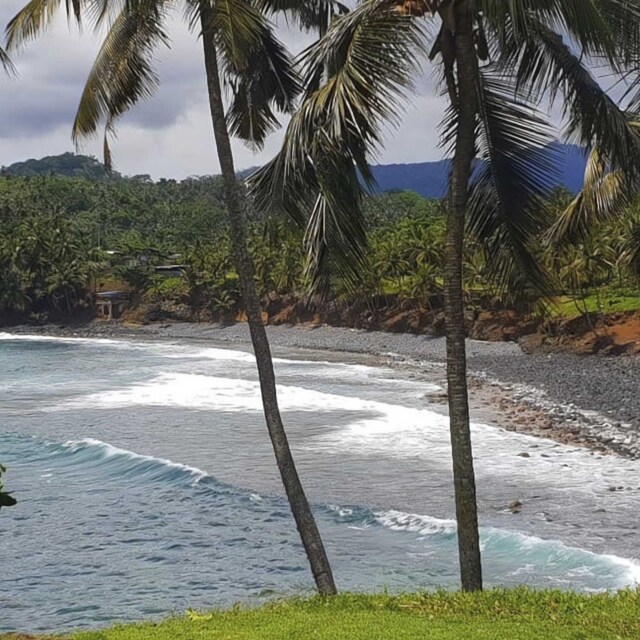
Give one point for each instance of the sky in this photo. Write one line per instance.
(169, 136)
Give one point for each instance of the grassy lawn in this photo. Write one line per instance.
(566, 308)
(494, 615)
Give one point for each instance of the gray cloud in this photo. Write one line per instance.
(169, 136)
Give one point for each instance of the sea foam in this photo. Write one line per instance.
(565, 564)
(217, 393)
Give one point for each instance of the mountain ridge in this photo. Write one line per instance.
(429, 179)
(425, 178)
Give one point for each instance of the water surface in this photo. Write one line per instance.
(147, 485)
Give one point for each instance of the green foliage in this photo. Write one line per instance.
(55, 232)
(405, 254)
(492, 615)
(66, 164)
(61, 236)
(174, 289)
(393, 206)
(6, 500)
(608, 301)
(594, 271)
(211, 283)
(45, 265)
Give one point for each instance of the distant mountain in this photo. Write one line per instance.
(67, 164)
(426, 178)
(429, 179)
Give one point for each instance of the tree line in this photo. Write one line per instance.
(61, 238)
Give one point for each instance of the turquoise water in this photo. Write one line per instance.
(147, 485)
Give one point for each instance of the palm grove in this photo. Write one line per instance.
(502, 66)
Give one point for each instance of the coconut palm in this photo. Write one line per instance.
(309, 15)
(243, 56)
(607, 195)
(500, 63)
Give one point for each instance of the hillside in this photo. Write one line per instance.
(429, 178)
(67, 164)
(426, 178)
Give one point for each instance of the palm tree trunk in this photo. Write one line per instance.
(302, 513)
(463, 472)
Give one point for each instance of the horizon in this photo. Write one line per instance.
(571, 148)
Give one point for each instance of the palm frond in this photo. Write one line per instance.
(267, 83)
(309, 15)
(585, 23)
(5, 62)
(122, 73)
(598, 29)
(35, 17)
(105, 12)
(369, 59)
(515, 173)
(605, 195)
(256, 67)
(238, 27)
(631, 249)
(548, 68)
(335, 237)
(622, 16)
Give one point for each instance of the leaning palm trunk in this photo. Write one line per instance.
(463, 471)
(300, 508)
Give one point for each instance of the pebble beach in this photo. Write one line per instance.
(590, 401)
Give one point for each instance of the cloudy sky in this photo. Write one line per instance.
(169, 136)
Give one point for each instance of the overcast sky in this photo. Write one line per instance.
(169, 136)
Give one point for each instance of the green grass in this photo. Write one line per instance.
(519, 614)
(611, 303)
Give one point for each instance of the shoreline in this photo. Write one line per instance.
(579, 401)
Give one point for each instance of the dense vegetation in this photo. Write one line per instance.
(493, 615)
(56, 232)
(66, 164)
(61, 237)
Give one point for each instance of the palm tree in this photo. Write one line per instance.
(500, 63)
(607, 194)
(240, 47)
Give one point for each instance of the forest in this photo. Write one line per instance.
(64, 237)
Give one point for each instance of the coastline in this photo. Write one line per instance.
(589, 402)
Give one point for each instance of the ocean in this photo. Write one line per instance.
(147, 485)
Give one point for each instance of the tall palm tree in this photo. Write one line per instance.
(241, 53)
(500, 64)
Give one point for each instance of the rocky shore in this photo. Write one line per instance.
(591, 401)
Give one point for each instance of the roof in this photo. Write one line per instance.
(112, 295)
